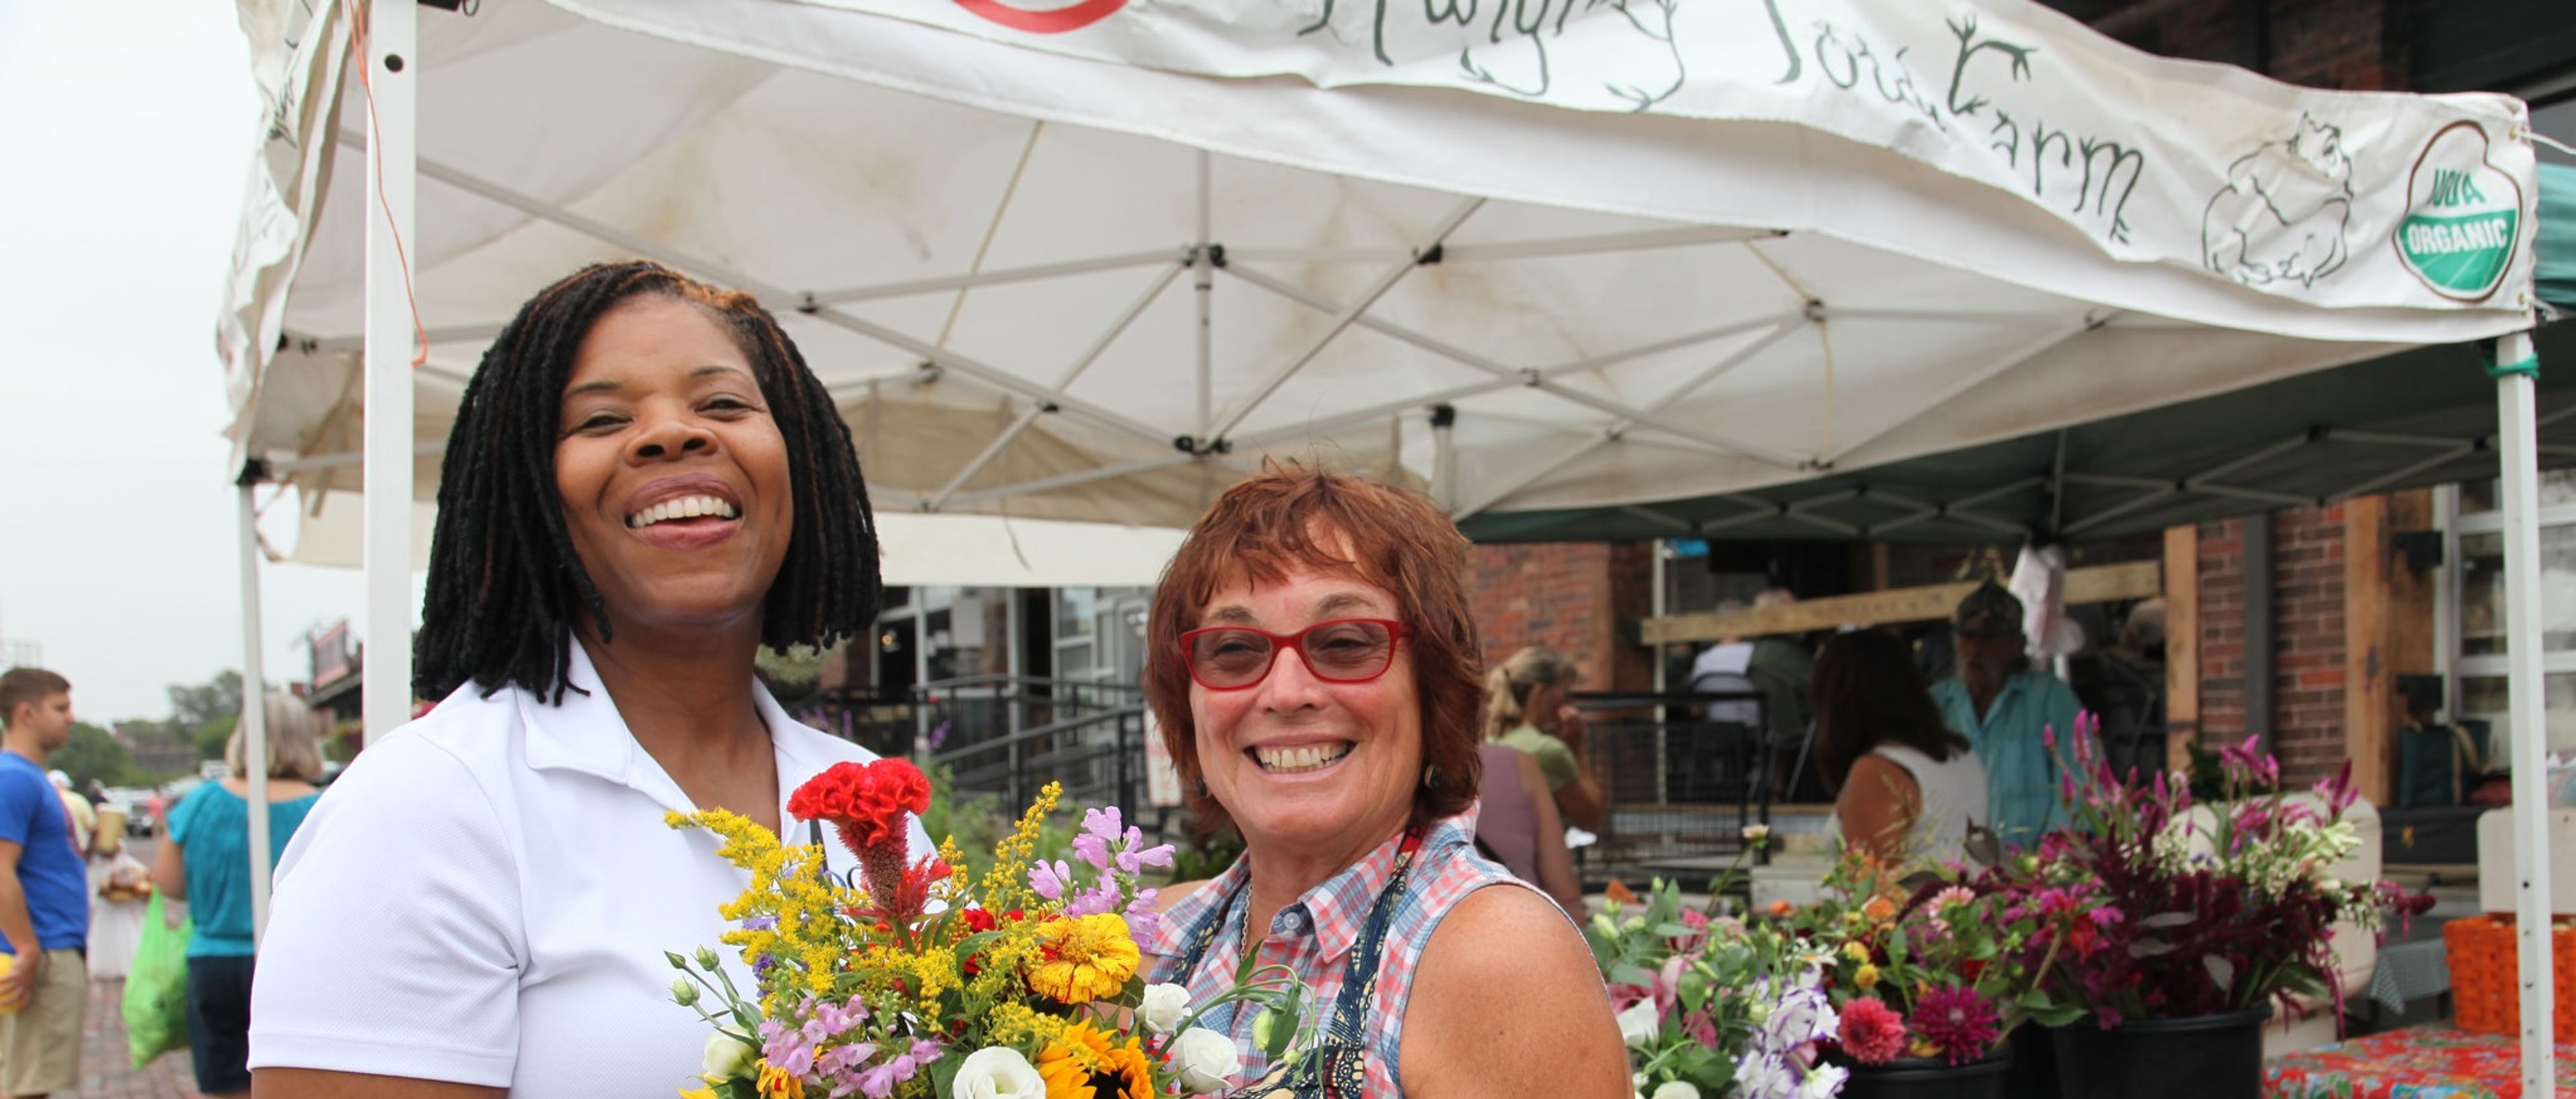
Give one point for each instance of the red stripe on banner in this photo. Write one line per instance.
(1057, 21)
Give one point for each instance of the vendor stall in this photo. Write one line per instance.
(1090, 261)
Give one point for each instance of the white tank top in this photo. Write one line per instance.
(1953, 792)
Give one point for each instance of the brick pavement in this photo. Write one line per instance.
(107, 1073)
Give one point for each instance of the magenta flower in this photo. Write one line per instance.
(1960, 1024)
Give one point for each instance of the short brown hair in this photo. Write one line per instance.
(28, 687)
(1287, 517)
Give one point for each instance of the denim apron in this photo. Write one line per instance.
(1336, 1068)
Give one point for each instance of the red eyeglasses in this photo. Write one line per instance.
(1343, 650)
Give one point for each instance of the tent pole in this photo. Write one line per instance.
(392, 66)
(2517, 434)
(1203, 281)
(254, 698)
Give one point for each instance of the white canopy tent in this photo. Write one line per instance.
(1090, 260)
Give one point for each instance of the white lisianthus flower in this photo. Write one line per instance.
(727, 1057)
(1164, 1007)
(1677, 1089)
(1206, 1060)
(1823, 1082)
(1755, 834)
(1764, 1075)
(997, 1072)
(1638, 1025)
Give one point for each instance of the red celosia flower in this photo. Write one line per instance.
(866, 801)
(1872, 1032)
(1958, 1022)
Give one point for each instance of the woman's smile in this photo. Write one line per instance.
(1302, 758)
(684, 513)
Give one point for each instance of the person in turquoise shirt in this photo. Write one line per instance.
(2005, 710)
(206, 862)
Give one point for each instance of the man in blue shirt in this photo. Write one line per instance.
(2004, 709)
(44, 894)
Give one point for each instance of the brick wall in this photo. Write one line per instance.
(2355, 45)
(2308, 642)
(2307, 638)
(1570, 596)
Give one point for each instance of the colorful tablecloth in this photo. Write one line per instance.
(2418, 1063)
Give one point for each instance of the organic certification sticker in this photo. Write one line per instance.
(2463, 216)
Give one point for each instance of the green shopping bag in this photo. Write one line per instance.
(156, 988)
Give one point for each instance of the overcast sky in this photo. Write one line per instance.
(128, 128)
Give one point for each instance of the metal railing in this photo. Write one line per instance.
(1098, 756)
(1678, 789)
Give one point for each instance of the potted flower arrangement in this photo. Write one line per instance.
(904, 979)
(1712, 1004)
(1926, 981)
(2170, 934)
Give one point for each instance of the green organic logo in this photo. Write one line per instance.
(2463, 216)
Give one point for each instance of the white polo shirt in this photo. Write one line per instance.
(485, 898)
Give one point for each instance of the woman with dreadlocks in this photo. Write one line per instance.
(644, 485)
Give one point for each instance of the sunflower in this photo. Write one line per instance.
(778, 1083)
(1083, 1063)
(1083, 958)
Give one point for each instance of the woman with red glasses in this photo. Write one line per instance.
(1315, 672)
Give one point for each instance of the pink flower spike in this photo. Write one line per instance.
(2048, 736)
(1050, 880)
(2338, 791)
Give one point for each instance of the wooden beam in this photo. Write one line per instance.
(2182, 645)
(2369, 731)
(2100, 584)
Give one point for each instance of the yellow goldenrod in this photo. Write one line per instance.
(1005, 886)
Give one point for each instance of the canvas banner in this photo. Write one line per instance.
(2328, 198)
(298, 49)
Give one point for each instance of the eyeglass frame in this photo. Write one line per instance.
(1282, 642)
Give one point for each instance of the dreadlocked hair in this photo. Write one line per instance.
(506, 587)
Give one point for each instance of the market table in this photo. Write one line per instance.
(2416, 1063)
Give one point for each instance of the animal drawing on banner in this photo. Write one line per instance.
(2285, 211)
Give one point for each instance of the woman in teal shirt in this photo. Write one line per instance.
(206, 862)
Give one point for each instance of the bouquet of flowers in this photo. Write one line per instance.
(2148, 909)
(904, 978)
(1712, 1004)
(1933, 972)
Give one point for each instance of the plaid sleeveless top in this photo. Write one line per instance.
(1352, 924)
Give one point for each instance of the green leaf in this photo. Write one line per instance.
(1624, 974)
(943, 1075)
(1672, 930)
(2057, 1016)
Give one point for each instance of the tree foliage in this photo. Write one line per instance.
(94, 754)
(193, 705)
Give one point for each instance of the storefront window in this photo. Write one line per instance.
(2484, 699)
(2482, 625)
(2557, 489)
(2477, 597)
